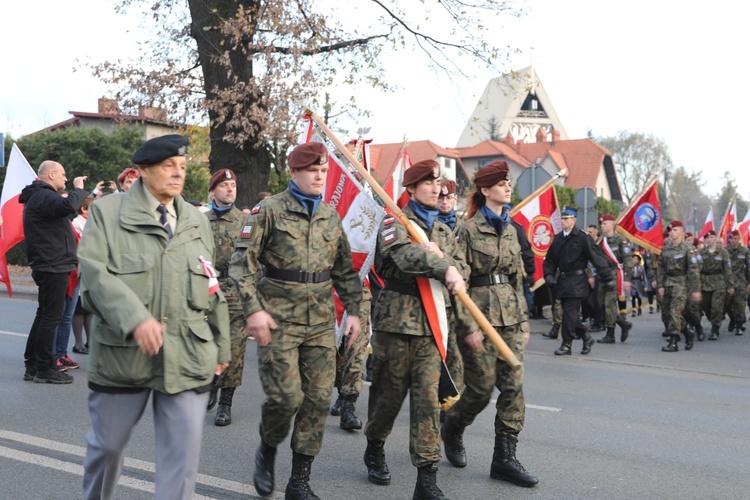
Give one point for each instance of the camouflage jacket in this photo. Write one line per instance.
(226, 229)
(678, 265)
(623, 252)
(716, 269)
(503, 304)
(740, 258)
(279, 233)
(398, 258)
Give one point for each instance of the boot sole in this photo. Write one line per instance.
(379, 482)
(501, 477)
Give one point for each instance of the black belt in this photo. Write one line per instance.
(571, 273)
(401, 287)
(489, 279)
(223, 274)
(296, 275)
(712, 274)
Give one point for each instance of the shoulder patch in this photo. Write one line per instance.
(246, 231)
(255, 209)
(388, 239)
(389, 220)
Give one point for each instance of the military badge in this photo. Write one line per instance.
(445, 190)
(388, 221)
(255, 210)
(323, 159)
(246, 232)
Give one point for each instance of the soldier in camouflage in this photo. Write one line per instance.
(740, 258)
(405, 355)
(299, 245)
(226, 223)
(677, 277)
(491, 247)
(619, 255)
(716, 281)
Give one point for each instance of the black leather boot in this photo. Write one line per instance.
(714, 332)
(564, 348)
(426, 487)
(224, 411)
(625, 326)
(453, 442)
(505, 465)
(552, 334)
(265, 457)
(213, 396)
(377, 469)
(588, 342)
(609, 338)
(672, 345)
(298, 487)
(349, 421)
(688, 339)
(336, 408)
(699, 333)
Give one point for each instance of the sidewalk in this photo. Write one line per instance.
(22, 283)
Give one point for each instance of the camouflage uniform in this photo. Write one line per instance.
(678, 273)
(226, 229)
(504, 306)
(716, 278)
(740, 258)
(609, 298)
(298, 367)
(405, 355)
(350, 363)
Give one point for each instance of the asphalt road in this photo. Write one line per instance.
(625, 422)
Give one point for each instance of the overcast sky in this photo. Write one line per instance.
(676, 70)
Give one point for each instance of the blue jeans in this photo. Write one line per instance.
(62, 334)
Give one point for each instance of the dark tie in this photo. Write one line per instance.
(163, 219)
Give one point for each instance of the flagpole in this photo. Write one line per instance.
(478, 316)
(529, 198)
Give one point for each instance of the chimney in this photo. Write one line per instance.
(555, 135)
(541, 135)
(509, 140)
(151, 113)
(109, 107)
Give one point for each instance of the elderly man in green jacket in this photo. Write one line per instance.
(161, 324)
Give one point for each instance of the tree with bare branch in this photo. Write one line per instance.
(250, 66)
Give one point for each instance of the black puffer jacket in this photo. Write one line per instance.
(50, 244)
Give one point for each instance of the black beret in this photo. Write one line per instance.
(425, 169)
(159, 149)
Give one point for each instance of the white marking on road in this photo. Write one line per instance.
(535, 407)
(80, 451)
(13, 334)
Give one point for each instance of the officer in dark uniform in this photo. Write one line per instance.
(570, 252)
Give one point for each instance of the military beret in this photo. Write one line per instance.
(128, 173)
(688, 235)
(309, 153)
(710, 232)
(734, 233)
(604, 218)
(696, 242)
(221, 175)
(491, 174)
(425, 169)
(568, 212)
(674, 224)
(447, 187)
(159, 149)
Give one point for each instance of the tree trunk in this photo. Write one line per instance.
(251, 163)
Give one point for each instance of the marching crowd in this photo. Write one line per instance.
(169, 295)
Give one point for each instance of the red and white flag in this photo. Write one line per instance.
(620, 272)
(641, 221)
(708, 225)
(745, 227)
(18, 176)
(395, 177)
(540, 218)
(729, 223)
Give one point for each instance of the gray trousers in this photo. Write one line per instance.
(178, 426)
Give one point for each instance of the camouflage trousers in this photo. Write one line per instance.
(350, 362)
(557, 312)
(401, 364)
(672, 308)
(712, 304)
(692, 312)
(297, 371)
(609, 303)
(485, 370)
(232, 376)
(453, 359)
(736, 305)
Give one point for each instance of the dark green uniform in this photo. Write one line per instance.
(301, 259)
(226, 229)
(740, 258)
(405, 355)
(716, 278)
(678, 273)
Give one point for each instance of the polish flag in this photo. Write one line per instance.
(708, 225)
(729, 223)
(395, 177)
(744, 227)
(18, 176)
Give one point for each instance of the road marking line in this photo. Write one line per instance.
(13, 334)
(535, 407)
(133, 463)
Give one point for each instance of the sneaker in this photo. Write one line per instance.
(68, 363)
(52, 376)
(29, 374)
(80, 349)
(59, 366)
